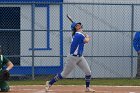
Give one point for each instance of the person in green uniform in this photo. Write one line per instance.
(9, 65)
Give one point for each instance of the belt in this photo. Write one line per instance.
(76, 55)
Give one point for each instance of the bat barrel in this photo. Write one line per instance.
(69, 18)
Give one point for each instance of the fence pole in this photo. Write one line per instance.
(61, 36)
(33, 22)
(132, 30)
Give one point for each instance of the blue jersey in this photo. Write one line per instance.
(77, 45)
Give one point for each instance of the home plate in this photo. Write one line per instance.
(131, 92)
(50, 91)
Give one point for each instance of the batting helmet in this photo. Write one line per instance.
(74, 24)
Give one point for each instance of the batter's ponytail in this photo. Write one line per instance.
(73, 32)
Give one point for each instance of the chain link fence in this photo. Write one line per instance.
(110, 53)
(36, 37)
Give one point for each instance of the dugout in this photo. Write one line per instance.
(25, 35)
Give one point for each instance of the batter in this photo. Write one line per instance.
(75, 58)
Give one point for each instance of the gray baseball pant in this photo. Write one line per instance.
(72, 61)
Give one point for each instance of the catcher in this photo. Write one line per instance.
(4, 74)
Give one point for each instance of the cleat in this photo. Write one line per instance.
(90, 90)
(47, 86)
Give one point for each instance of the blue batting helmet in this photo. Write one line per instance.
(74, 24)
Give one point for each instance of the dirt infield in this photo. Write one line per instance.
(74, 89)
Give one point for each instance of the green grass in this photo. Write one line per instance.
(111, 82)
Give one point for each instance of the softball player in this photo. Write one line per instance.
(136, 45)
(75, 57)
(3, 79)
